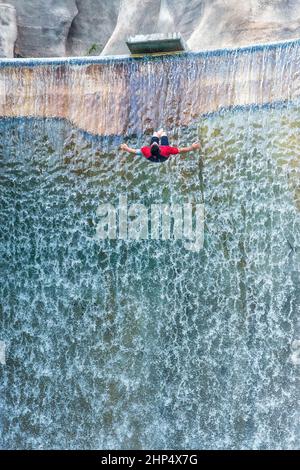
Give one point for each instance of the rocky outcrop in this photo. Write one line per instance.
(186, 15)
(8, 30)
(43, 26)
(234, 23)
(135, 16)
(208, 24)
(153, 16)
(92, 26)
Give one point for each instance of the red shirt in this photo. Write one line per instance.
(164, 150)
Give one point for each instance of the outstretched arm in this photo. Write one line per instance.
(129, 149)
(189, 149)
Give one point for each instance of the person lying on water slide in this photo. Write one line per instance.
(159, 152)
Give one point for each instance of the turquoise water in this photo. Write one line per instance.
(144, 344)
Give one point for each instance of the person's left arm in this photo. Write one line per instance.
(194, 146)
(130, 150)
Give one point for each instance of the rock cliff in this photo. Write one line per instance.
(92, 27)
(43, 26)
(8, 30)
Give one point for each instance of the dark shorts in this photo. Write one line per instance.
(163, 141)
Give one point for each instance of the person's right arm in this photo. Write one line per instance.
(189, 149)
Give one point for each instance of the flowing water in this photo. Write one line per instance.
(145, 344)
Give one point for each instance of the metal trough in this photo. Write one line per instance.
(156, 43)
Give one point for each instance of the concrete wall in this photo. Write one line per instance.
(119, 97)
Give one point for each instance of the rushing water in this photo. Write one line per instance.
(144, 344)
(126, 96)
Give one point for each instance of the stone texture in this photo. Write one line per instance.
(135, 17)
(79, 27)
(92, 27)
(208, 24)
(8, 30)
(43, 26)
(179, 15)
(234, 23)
